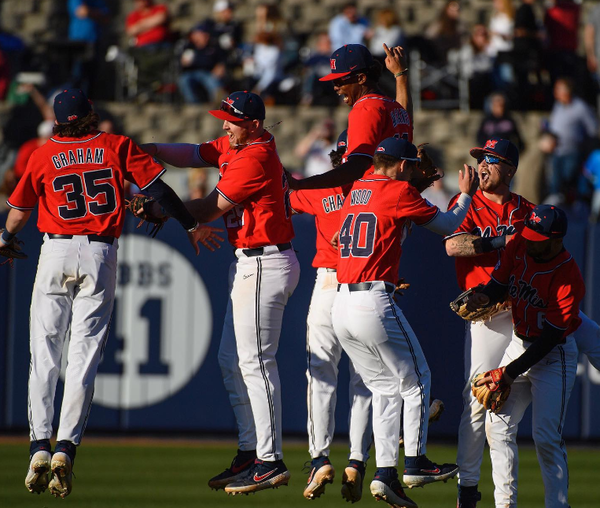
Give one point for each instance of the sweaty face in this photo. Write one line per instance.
(491, 176)
(238, 132)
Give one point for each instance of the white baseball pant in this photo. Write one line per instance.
(485, 344)
(547, 386)
(74, 288)
(323, 351)
(387, 355)
(260, 290)
(587, 337)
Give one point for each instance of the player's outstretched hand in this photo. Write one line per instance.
(468, 181)
(207, 236)
(395, 59)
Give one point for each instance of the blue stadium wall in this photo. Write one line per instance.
(160, 372)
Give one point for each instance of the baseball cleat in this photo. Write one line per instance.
(263, 475)
(36, 480)
(468, 497)
(321, 473)
(435, 410)
(352, 481)
(62, 479)
(424, 471)
(389, 489)
(240, 465)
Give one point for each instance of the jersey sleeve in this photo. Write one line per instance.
(210, 151)
(301, 202)
(364, 131)
(141, 169)
(569, 289)
(466, 225)
(25, 195)
(501, 273)
(243, 178)
(411, 205)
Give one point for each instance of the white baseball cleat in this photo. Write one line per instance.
(36, 480)
(62, 479)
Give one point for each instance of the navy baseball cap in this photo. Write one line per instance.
(545, 222)
(501, 148)
(240, 106)
(399, 148)
(342, 141)
(71, 105)
(349, 59)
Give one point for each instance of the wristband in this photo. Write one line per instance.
(401, 73)
(493, 243)
(7, 237)
(196, 226)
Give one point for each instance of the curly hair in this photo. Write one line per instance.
(78, 128)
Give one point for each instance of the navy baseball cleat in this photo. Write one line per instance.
(263, 475)
(386, 487)
(40, 455)
(468, 497)
(352, 481)
(419, 471)
(321, 473)
(240, 466)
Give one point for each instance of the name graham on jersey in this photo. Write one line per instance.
(501, 230)
(78, 156)
(360, 196)
(333, 203)
(522, 290)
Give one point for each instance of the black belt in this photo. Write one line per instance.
(91, 238)
(366, 286)
(259, 251)
(333, 270)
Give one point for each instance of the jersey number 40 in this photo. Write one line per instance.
(357, 236)
(91, 191)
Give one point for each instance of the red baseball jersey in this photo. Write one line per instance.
(540, 292)
(78, 183)
(372, 119)
(325, 205)
(373, 220)
(487, 219)
(252, 179)
(154, 35)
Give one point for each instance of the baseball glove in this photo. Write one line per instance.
(142, 202)
(491, 395)
(429, 171)
(459, 305)
(12, 250)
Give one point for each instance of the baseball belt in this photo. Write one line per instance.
(91, 238)
(366, 286)
(259, 251)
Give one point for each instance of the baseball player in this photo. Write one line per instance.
(544, 286)
(369, 324)
(324, 351)
(494, 217)
(252, 198)
(77, 180)
(373, 117)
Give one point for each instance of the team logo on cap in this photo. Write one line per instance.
(380, 149)
(72, 117)
(332, 63)
(535, 218)
(491, 143)
(229, 101)
(342, 143)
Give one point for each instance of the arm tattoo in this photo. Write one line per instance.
(466, 245)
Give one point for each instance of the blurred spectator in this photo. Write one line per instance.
(227, 32)
(476, 65)
(499, 123)
(592, 41)
(44, 132)
(574, 123)
(444, 34)
(317, 65)
(264, 66)
(387, 30)
(501, 28)
(528, 53)
(202, 66)
(268, 20)
(85, 20)
(148, 26)
(4, 76)
(591, 171)
(314, 148)
(438, 195)
(348, 27)
(561, 22)
(197, 183)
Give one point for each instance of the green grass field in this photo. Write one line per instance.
(164, 474)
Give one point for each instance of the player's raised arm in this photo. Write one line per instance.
(395, 61)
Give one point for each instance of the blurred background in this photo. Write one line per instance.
(478, 69)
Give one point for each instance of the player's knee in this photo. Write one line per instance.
(546, 442)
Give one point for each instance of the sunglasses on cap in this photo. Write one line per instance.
(232, 110)
(346, 80)
(490, 159)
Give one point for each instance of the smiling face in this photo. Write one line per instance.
(241, 132)
(493, 175)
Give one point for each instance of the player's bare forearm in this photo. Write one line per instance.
(395, 62)
(464, 246)
(16, 220)
(403, 96)
(346, 173)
